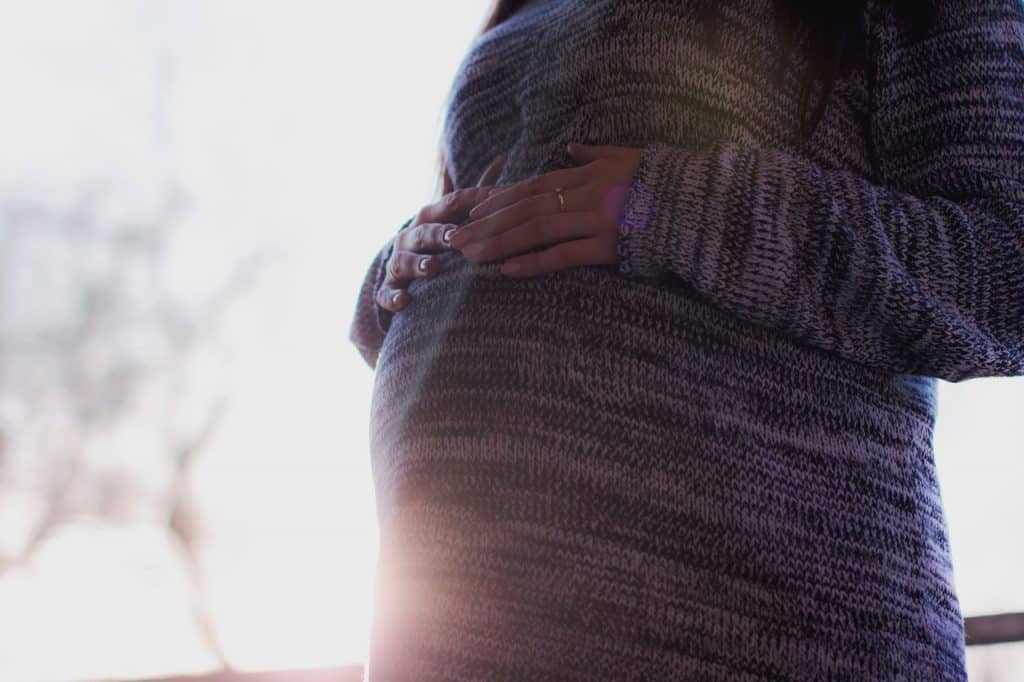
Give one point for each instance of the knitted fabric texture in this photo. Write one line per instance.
(713, 460)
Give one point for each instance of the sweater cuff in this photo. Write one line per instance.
(658, 231)
(707, 216)
(720, 218)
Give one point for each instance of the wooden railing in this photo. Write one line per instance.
(996, 629)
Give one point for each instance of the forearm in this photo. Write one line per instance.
(918, 285)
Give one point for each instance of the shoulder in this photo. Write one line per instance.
(945, 96)
(907, 23)
(928, 40)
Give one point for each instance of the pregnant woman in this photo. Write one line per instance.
(661, 408)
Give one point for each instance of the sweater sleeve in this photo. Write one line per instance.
(370, 322)
(921, 272)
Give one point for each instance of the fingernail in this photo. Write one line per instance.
(475, 211)
(395, 296)
(447, 236)
(422, 265)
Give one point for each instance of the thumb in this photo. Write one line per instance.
(586, 153)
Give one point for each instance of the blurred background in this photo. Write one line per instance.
(190, 194)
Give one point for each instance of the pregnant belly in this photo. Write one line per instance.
(534, 365)
(580, 456)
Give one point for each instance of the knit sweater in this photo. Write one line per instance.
(712, 460)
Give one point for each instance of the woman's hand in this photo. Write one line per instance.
(528, 215)
(429, 234)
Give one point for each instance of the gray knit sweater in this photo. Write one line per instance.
(712, 461)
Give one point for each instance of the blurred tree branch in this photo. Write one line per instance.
(95, 349)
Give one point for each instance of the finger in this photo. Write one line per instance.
(391, 298)
(454, 206)
(589, 251)
(426, 238)
(544, 230)
(492, 171)
(581, 198)
(405, 266)
(537, 184)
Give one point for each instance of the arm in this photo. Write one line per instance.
(370, 322)
(922, 273)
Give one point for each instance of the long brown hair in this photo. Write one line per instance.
(831, 32)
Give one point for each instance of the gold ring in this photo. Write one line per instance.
(561, 199)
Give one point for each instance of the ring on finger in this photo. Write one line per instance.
(559, 192)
